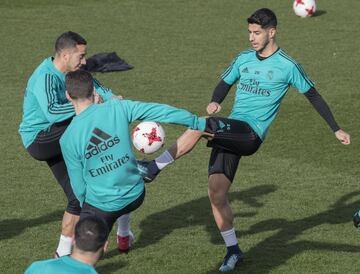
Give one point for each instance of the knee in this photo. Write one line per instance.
(217, 197)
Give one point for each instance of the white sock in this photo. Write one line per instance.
(229, 237)
(64, 247)
(164, 160)
(123, 225)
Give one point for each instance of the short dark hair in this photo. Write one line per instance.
(266, 18)
(91, 234)
(79, 84)
(68, 40)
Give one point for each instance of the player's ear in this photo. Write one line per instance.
(64, 55)
(68, 96)
(272, 33)
(106, 245)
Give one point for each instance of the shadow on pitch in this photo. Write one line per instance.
(12, 227)
(319, 13)
(195, 213)
(275, 250)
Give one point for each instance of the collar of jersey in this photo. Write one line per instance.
(86, 112)
(70, 261)
(53, 68)
(264, 58)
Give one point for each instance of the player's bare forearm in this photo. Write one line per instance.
(185, 143)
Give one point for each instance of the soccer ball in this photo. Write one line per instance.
(148, 137)
(304, 8)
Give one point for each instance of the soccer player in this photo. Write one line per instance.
(98, 152)
(264, 74)
(47, 113)
(90, 243)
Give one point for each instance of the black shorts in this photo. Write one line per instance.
(46, 147)
(232, 139)
(110, 217)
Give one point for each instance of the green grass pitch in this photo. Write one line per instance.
(293, 201)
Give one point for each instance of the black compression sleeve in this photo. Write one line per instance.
(220, 92)
(322, 108)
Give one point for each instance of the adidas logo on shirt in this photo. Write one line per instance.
(245, 70)
(99, 142)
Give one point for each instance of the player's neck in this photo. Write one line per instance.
(268, 50)
(59, 64)
(80, 106)
(88, 258)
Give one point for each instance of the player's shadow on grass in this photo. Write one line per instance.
(195, 213)
(275, 250)
(12, 227)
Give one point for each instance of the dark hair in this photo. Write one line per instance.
(91, 234)
(264, 17)
(79, 84)
(68, 40)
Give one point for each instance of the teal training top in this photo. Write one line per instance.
(262, 84)
(63, 265)
(45, 102)
(98, 153)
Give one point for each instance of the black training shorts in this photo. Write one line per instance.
(110, 217)
(232, 139)
(46, 147)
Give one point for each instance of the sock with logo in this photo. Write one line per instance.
(124, 225)
(231, 242)
(65, 245)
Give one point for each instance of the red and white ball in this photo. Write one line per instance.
(148, 137)
(304, 8)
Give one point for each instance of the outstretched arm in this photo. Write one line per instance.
(219, 94)
(186, 142)
(323, 109)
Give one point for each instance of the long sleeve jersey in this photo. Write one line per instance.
(262, 83)
(45, 102)
(98, 152)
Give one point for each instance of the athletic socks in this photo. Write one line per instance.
(150, 169)
(231, 242)
(164, 160)
(64, 247)
(124, 225)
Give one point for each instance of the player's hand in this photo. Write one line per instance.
(213, 107)
(98, 99)
(119, 97)
(343, 137)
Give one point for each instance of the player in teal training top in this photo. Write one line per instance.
(89, 245)
(47, 113)
(262, 87)
(98, 152)
(263, 75)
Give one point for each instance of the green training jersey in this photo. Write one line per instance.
(45, 102)
(98, 153)
(262, 84)
(63, 265)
